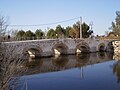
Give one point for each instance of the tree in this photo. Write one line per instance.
(106, 33)
(51, 34)
(60, 31)
(67, 30)
(85, 31)
(14, 33)
(116, 25)
(3, 27)
(20, 33)
(8, 61)
(39, 33)
(29, 35)
(72, 33)
(76, 30)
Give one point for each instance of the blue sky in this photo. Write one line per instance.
(34, 12)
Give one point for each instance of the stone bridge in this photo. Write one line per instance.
(51, 47)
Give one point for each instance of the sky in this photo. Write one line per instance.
(36, 12)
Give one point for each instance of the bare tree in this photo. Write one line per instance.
(3, 26)
(10, 62)
(10, 67)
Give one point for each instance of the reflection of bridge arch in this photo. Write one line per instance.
(82, 59)
(60, 49)
(101, 55)
(34, 63)
(32, 50)
(61, 61)
(82, 47)
(110, 47)
(101, 47)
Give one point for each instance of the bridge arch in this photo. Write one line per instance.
(32, 50)
(60, 49)
(82, 47)
(101, 47)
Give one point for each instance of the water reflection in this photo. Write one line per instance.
(60, 61)
(116, 56)
(101, 55)
(54, 64)
(116, 66)
(65, 62)
(34, 62)
(76, 69)
(82, 59)
(116, 70)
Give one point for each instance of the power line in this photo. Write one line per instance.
(46, 23)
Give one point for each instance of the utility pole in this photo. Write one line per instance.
(91, 24)
(46, 31)
(80, 27)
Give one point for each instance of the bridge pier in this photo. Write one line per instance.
(46, 54)
(71, 51)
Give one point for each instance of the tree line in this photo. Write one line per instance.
(58, 32)
(115, 27)
(69, 31)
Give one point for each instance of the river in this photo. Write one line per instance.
(95, 71)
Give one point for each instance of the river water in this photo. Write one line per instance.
(95, 71)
